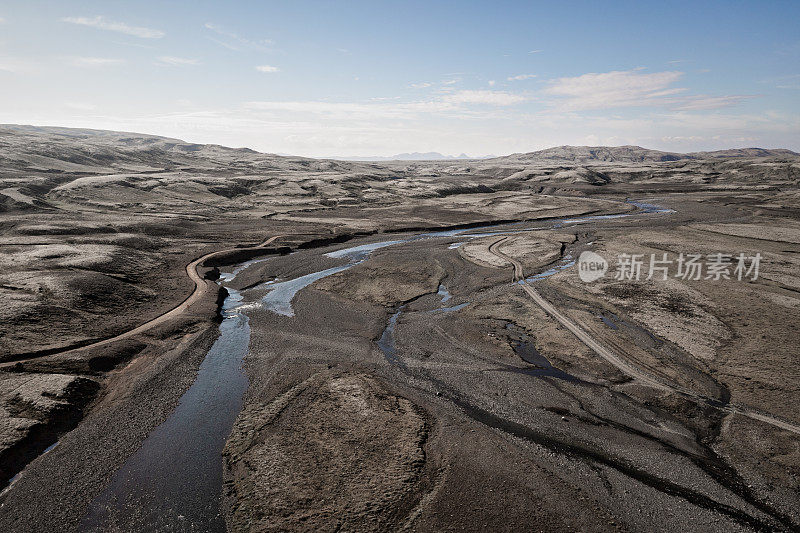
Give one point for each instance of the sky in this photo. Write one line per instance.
(374, 78)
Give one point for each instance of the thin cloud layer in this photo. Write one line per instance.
(704, 102)
(492, 105)
(176, 61)
(234, 41)
(496, 98)
(613, 89)
(102, 23)
(631, 88)
(354, 110)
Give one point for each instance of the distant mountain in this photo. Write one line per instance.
(78, 149)
(633, 154)
(745, 152)
(412, 156)
(30, 148)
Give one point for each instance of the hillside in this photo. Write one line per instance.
(44, 167)
(85, 150)
(634, 154)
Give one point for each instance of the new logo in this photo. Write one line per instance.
(591, 266)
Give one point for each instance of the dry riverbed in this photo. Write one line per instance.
(400, 385)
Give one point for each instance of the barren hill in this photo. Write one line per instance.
(633, 154)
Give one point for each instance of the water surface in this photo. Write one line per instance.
(280, 295)
(174, 481)
(386, 342)
(541, 366)
(443, 293)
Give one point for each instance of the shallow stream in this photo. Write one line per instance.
(174, 481)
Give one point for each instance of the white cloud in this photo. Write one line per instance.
(491, 83)
(93, 62)
(631, 88)
(521, 77)
(135, 45)
(352, 110)
(103, 24)
(357, 128)
(535, 51)
(224, 44)
(498, 98)
(266, 68)
(420, 85)
(451, 82)
(702, 101)
(613, 89)
(456, 105)
(235, 41)
(176, 61)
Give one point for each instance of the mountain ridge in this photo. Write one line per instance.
(139, 142)
(410, 156)
(635, 154)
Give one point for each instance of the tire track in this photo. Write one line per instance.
(620, 363)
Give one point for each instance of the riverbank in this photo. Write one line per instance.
(505, 431)
(556, 439)
(157, 365)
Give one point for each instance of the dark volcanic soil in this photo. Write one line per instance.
(395, 397)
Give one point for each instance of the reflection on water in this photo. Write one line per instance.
(566, 262)
(280, 296)
(361, 252)
(174, 481)
(528, 353)
(608, 322)
(443, 293)
(225, 277)
(386, 342)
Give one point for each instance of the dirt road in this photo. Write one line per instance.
(201, 286)
(617, 361)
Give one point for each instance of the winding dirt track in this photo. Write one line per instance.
(616, 360)
(201, 286)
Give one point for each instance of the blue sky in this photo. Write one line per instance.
(379, 78)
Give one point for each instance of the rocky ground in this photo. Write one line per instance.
(483, 413)
(642, 449)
